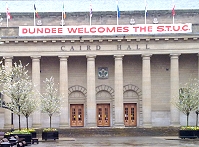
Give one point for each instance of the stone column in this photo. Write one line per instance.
(64, 117)
(36, 121)
(91, 95)
(146, 91)
(174, 91)
(119, 110)
(7, 113)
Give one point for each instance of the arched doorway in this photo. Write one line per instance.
(77, 101)
(132, 106)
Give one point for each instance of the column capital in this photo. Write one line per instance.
(90, 56)
(8, 57)
(63, 58)
(35, 57)
(175, 55)
(146, 55)
(118, 57)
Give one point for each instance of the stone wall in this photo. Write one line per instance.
(99, 18)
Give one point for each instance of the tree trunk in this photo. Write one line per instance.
(196, 118)
(27, 123)
(19, 122)
(187, 119)
(50, 122)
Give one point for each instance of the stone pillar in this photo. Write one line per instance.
(36, 121)
(7, 113)
(146, 91)
(64, 118)
(91, 95)
(174, 91)
(119, 110)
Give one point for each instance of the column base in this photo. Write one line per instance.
(147, 125)
(63, 125)
(36, 125)
(119, 125)
(91, 125)
(175, 124)
(8, 126)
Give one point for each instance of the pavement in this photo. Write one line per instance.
(107, 141)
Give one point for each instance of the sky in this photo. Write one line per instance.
(97, 5)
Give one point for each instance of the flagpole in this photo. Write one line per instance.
(145, 12)
(62, 21)
(34, 18)
(7, 21)
(7, 12)
(173, 11)
(90, 12)
(117, 11)
(90, 20)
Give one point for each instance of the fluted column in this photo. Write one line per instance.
(174, 91)
(119, 110)
(7, 113)
(64, 119)
(91, 95)
(36, 121)
(146, 91)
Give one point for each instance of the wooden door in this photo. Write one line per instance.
(103, 115)
(130, 114)
(77, 115)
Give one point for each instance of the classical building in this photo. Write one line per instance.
(111, 75)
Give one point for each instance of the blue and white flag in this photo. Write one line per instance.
(118, 10)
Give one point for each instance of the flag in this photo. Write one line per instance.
(145, 13)
(145, 7)
(37, 15)
(63, 13)
(8, 12)
(91, 10)
(118, 10)
(173, 10)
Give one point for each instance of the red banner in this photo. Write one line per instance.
(105, 29)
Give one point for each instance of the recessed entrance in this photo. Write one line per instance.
(103, 115)
(77, 115)
(130, 114)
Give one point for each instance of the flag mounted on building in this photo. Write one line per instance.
(145, 11)
(63, 12)
(63, 16)
(173, 11)
(36, 13)
(91, 12)
(118, 11)
(7, 13)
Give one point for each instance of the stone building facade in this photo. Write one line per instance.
(107, 81)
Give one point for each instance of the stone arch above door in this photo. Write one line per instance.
(77, 94)
(105, 88)
(77, 88)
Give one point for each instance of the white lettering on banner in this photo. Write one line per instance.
(105, 29)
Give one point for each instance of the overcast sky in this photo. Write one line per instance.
(97, 5)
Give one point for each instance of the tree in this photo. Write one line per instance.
(188, 98)
(51, 101)
(19, 87)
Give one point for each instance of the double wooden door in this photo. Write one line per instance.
(77, 115)
(130, 114)
(103, 115)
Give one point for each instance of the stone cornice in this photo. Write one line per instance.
(95, 39)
